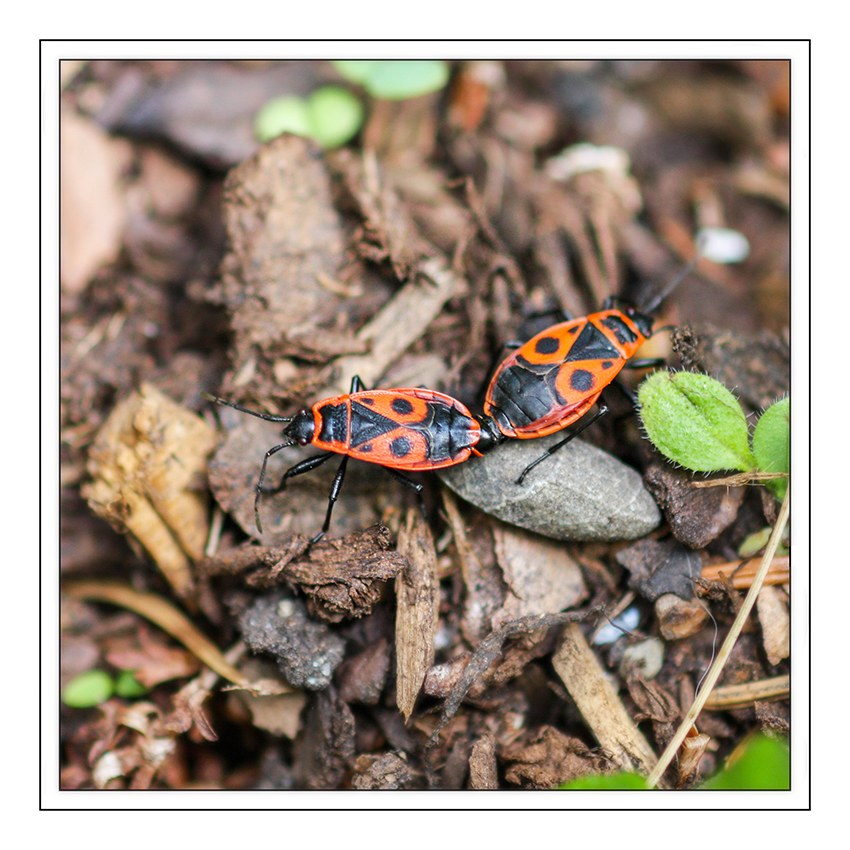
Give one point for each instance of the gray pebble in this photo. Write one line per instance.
(646, 658)
(307, 652)
(579, 493)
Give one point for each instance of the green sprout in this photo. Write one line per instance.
(128, 686)
(693, 420)
(762, 764)
(330, 116)
(393, 79)
(88, 689)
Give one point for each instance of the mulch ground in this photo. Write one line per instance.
(423, 643)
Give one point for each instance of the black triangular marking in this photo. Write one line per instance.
(591, 344)
(368, 424)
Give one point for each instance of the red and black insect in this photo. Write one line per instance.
(554, 379)
(399, 429)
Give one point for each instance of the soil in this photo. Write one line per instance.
(422, 643)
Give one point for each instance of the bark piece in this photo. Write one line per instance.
(147, 463)
(599, 704)
(418, 601)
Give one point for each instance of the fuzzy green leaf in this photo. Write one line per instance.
(695, 421)
(772, 444)
(764, 765)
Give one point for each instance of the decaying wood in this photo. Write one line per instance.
(599, 704)
(485, 590)
(146, 464)
(392, 331)
(775, 622)
(418, 602)
(737, 696)
(342, 576)
(483, 774)
(743, 572)
(489, 650)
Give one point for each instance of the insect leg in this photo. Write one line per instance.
(410, 484)
(262, 478)
(334, 495)
(300, 468)
(645, 363)
(603, 409)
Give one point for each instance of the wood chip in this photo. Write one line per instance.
(775, 623)
(146, 463)
(599, 704)
(418, 602)
(483, 775)
(391, 332)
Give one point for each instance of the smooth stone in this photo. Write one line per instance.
(579, 493)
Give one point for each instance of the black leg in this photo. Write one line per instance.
(408, 482)
(262, 478)
(411, 485)
(335, 488)
(603, 409)
(298, 469)
(645, 363)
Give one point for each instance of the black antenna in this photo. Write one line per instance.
(268, 417)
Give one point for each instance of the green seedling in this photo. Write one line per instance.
(606, 782)
(693, 420)
(763, 764)
(395, 79)
(772, 444)
(330, 116)
(88, 689)
(128, 686)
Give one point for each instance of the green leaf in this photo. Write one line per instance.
(695, 421)
(128, 686)
(772, 444)
(88, 689)
(764, 765)
(606, 782)
(334, 114)
(396, 79)
(356, 70)
(286, 114)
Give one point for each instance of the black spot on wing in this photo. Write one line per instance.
(401, 447)
(582, 381)
(547, 345)
(402, 406)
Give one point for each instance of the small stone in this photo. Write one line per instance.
(307, 652)
(677, 618)
(645, 658)
(579, 493)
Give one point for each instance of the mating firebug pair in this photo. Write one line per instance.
(544, 386)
